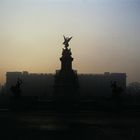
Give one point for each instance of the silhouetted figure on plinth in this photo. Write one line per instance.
(66, 79)
(66, 41)
(16, 90)
(116, 93)
(116, 90)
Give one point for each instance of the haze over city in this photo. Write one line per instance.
(106, 35)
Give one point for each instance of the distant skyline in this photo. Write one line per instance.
(106, 35)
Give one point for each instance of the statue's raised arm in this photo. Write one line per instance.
(66, 41)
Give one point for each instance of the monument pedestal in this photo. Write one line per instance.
(66, 79)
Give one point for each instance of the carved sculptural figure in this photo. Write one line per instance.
(16, 88)
(66, 41)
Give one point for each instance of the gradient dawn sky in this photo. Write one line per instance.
(106, 35)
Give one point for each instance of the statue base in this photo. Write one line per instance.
(66, 84)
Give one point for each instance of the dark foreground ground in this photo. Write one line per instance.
(29, 119)
(91, 125)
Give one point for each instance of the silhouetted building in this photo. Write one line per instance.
(100, 84)
(42, 84)
(33, 84)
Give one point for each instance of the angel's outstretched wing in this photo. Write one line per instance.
(69, 38)
(64, 37)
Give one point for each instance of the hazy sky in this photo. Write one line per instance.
(106, 35)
